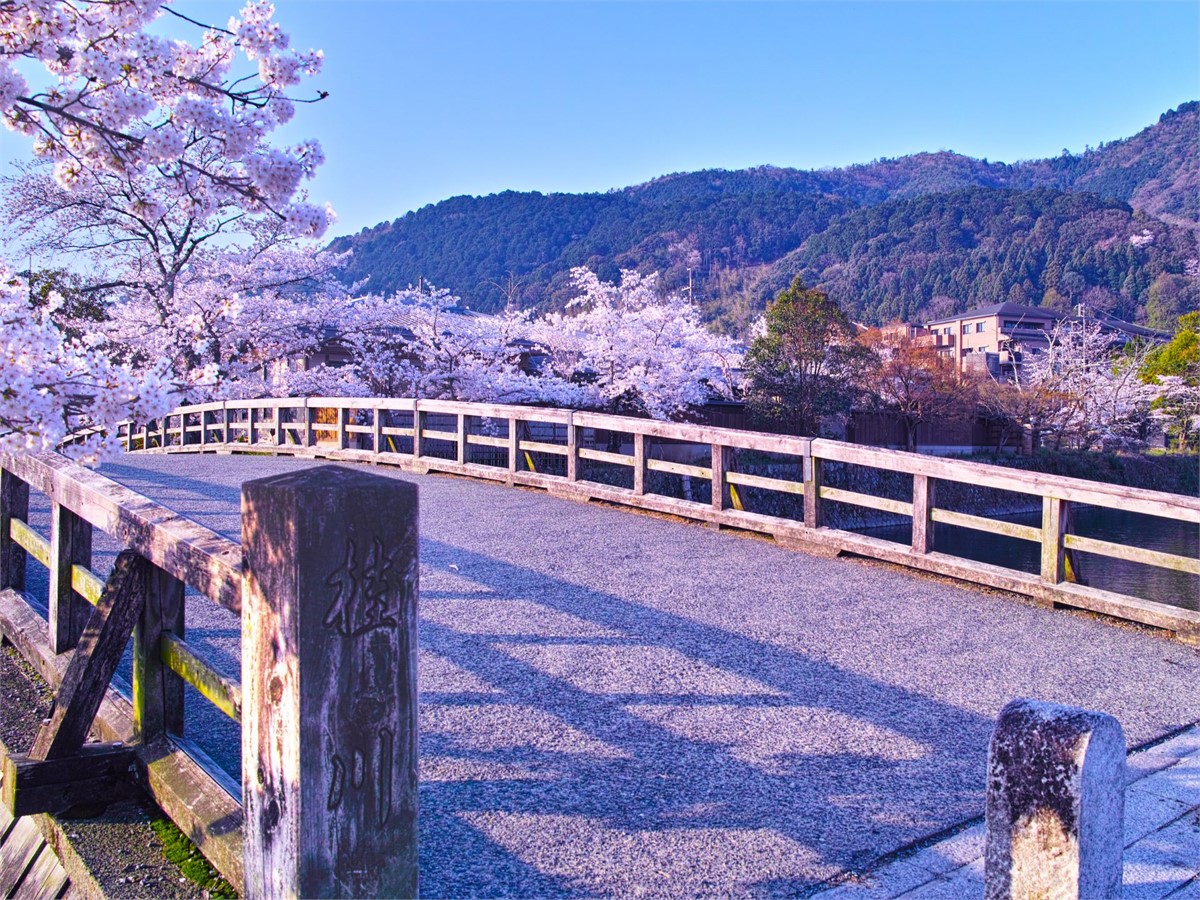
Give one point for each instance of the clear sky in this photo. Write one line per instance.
(430, 100)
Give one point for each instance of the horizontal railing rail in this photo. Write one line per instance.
(550, 448)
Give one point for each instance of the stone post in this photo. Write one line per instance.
(1055, 803)
(329, 681)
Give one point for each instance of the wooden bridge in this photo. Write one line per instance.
(544, 448)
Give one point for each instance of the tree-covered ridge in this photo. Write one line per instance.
(721, 232)
(942, 253)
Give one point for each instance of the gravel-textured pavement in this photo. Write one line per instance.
(614, 703)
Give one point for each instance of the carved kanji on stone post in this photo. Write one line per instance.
(329, 680)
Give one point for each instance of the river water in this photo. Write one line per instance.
(1137, 580)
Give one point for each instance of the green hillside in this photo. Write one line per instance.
(1114, 226)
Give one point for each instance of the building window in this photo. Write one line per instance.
(978, 327)
(966, 328)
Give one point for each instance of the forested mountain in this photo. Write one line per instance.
(1114, 226)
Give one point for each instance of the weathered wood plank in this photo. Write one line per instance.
(46, 879)
(329, 625)
(87, 584)
(639, 464)
(617, 459)
(924, 497)
(1176, 506)
(678, 468)
(983, 523)
(765, 482)
(813, 517)
(698, 434)
(94, 661)
(70, 546)
(721, 458)
(189, 551)
(14, 507)
(157, 691)
(21, 848)
(30, 541)
(1132, 554)
(96, 773)
(1054, 526)
(484, 440)
(870, 501)
(540, 447)
(223, 693)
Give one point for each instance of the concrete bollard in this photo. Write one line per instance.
(1055, 803)
(329, 685)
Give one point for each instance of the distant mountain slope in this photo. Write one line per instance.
(735, 235)
(946, 252)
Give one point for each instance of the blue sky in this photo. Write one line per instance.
(431, 100)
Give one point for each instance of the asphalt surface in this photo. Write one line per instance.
(614, 703)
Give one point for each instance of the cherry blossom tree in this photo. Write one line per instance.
(157, 148)
(425, 343)
(52, 385)
(1083, 391)
(122, 100)
(632, 348)
(229, 316)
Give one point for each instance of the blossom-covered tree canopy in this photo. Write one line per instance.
(118, 99)
(152, 148)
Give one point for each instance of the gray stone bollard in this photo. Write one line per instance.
(1055, 803)
(329, 681)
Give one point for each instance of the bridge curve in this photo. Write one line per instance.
(616, 703)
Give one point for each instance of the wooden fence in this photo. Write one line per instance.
(579, 455)
(296, 825)
(565, 452)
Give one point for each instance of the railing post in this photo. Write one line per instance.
(572, 449)
(1055, 803)
(224, 422)
(252, 418)
(377, 428)
(70, 545)
(514, 446)
(1054, 526)
(639, 463)
(343, 419)
(461, 435)
(329, 681)
(157, 691)
(720, 464)
(416, 429)
(812, 490)
(14, 504)
(308, 424)
(923, 499)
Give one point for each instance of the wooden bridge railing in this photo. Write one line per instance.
(546, 448)
(267, 580)
(260, 847)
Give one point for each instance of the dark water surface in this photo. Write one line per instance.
(1123, 577)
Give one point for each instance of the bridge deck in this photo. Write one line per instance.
(615, 703)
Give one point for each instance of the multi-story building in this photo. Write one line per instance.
(992, 336)
(996, 337)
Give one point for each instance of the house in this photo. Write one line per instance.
(992, 336)
(996, 337)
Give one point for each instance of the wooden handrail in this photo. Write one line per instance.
(442, 424)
